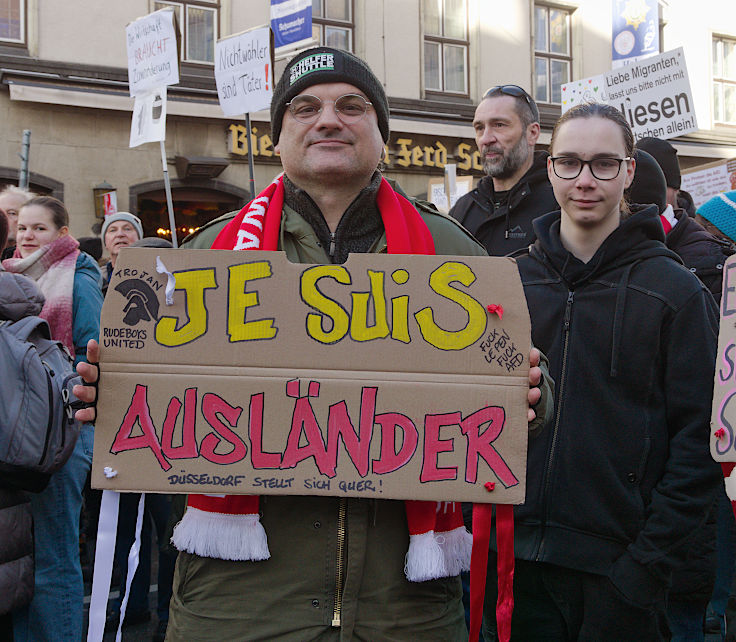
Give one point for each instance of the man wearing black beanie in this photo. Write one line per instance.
(666, 156)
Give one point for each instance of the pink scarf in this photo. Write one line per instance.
(52, 267)
(228, 527)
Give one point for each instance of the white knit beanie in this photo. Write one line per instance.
(122, 216)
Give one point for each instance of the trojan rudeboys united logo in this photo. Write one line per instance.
(142, 302)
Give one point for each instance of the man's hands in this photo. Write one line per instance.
(91, 375)
(535, 378)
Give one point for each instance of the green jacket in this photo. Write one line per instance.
(295, 595)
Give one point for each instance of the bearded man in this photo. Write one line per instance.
(500, 210)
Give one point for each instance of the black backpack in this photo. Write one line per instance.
(37, 426)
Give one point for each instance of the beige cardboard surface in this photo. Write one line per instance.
(723, 419)
(383, 377)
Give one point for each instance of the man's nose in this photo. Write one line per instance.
(585, 178)
(487, 137)
(328, 115)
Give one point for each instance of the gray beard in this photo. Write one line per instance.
(510, 163)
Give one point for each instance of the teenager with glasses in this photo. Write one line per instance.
(515, 190)
(621, 479)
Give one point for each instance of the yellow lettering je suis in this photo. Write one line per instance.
(441, 281)
(239, 301)
(194, 283)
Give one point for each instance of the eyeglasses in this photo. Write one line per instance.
(604, 169)
(516, 92)
(349, 108)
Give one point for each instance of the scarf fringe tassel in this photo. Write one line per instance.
(457, 546)
(433, 555)
(221, 536)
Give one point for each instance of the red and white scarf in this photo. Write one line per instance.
(228, 527)
(52, 267)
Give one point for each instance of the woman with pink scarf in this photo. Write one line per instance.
(70, 280)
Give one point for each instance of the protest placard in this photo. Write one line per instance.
(653, 94)
(149, 118)
(153, 51)
(437, 195)
(706, 181)
(387, 376)
(244, 71)
(723, 418)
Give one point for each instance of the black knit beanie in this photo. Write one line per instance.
(666, 156)
(649, 185)
(322, 65)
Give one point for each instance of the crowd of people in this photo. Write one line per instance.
(626, 531)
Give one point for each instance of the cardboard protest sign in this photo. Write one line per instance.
(653, 94)
(149, 118)
(385, 377)
(153, 51)
(706, 181)
(244, 71)
(723, 418)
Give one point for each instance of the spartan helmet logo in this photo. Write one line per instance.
(142, 302)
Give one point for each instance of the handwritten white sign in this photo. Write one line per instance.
(706, 181)
(153, 52)
(149, 118)
(653, 94)
(244, 71)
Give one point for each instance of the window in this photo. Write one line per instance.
(332, 23)
(552, 53)
(12, 19)
(198, 25)
(724, 80)
(445, 45)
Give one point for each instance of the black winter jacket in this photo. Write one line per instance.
(704, 255)
(623, 476)
(504, 230)
(701, 252)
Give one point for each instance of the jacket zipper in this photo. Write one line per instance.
(50, 425)
(341, 532)
(332, 245)
(550, 457)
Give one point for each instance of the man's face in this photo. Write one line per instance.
(11, 204)
(118, 235)
(329, 150)
(503, 142)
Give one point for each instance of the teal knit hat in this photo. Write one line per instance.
(721, 211)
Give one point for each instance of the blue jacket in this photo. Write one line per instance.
(87, 305)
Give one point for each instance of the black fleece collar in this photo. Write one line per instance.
(358, 229)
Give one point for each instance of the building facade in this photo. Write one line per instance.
(63, 76)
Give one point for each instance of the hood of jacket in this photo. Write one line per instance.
(640, 236)
(689, 237)
(85, 263)
(19, 296)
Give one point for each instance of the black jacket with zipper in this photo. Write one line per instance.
(623, 477)
(506, 229)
